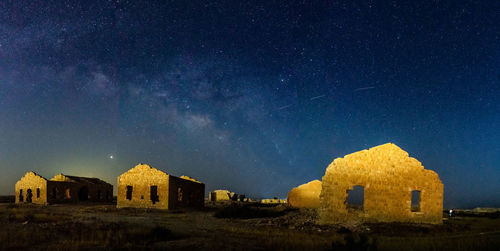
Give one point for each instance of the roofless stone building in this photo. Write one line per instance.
(33, 188)
(147, 187)
(391, 187)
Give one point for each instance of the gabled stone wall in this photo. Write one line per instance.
(171, 192)
(34, 184)
(388, 176)
(141, 178)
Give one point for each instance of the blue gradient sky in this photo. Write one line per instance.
(252, 97)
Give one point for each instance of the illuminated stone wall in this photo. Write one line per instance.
(141, 178)
(388, 176)
(220, 195)
(305, 195)
(171, 191)
(32, 181)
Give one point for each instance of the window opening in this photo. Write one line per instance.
(179, 194)
(355, 198)
(415, 201)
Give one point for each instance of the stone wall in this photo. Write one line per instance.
(221, 195)
(34, 184)
(141, 178)
(305, 195)
(185, 193)
(171, 192)
(388, 176)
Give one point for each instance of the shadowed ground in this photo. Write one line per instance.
(228, 226)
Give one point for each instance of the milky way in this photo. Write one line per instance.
(252, 97)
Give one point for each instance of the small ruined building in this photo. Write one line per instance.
(305, 195)
(222, 195)
(33, 188)
(147, 187)
(382, 184)
(273, 201)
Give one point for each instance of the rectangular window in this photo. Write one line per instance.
(415, 201)
(179, 194)
(38, 192)
(356, 198)
(129, 192)
(154, 194)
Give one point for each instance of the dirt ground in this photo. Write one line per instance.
(228, 226)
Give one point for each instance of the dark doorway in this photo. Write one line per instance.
(129, 192)
(83, 194)
(415, 201)
(54, 193)
(154, 194)
(38, 193)
(356, 198)
(29, 196)
(99, 196)
(21, 197)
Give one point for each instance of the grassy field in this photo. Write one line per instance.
(227, 226)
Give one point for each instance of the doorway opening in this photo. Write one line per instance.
(29, 196)
(129, 193)
(153, 195)
(83, 194)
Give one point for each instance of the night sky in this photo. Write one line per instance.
(252, 96)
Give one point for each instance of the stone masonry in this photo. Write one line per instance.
(305, 195)
(388, 176)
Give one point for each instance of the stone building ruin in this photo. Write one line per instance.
(147, 187)
(33, 188)
(391, 187)
(305, 195)
(222, 195)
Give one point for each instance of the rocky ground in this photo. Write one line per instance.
(228, 226)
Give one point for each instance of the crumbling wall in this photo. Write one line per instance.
(388, 176)
(141, 178)
(305, 195)
(36, 184)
